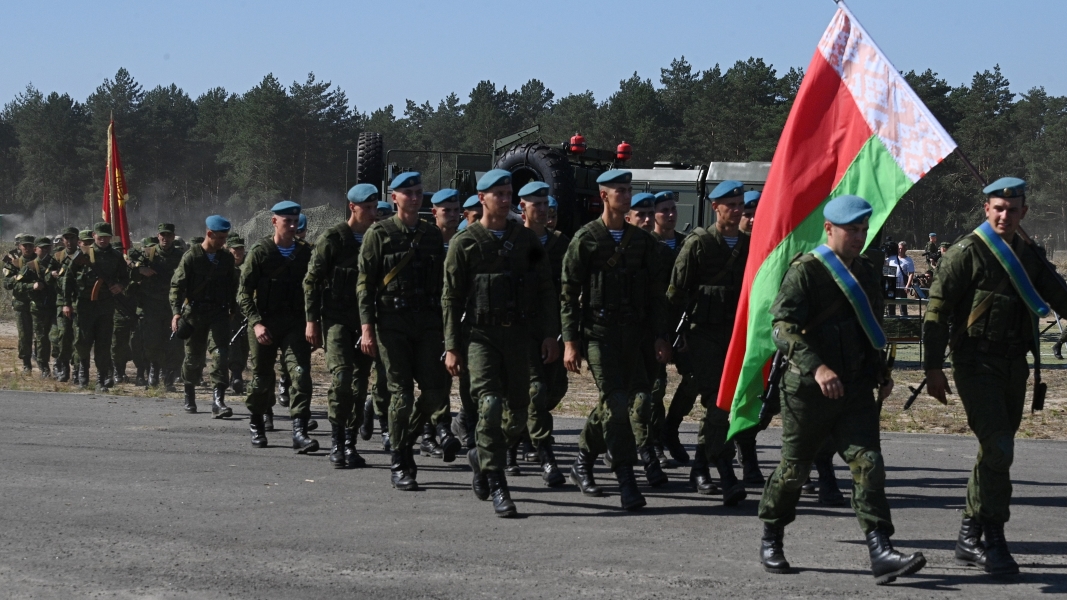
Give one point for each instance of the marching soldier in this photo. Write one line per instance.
(271, 295)
(14, 262)
(990, 286)
(121, 333)
(607, 303)
(332, 322)
(202, 294)
(62, 334)
(38, 285)
(153, 275)
(472, 209)
(377, 403)
(827, 322)
(238, 355)
(140, 360)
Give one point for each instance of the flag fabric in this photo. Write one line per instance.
(115, 194)
(856, 127)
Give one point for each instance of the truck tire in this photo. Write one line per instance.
(534, 161)
(370, 159)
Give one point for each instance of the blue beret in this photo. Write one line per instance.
(471, 201)
(462, 225)
(445, 195)
(385, 207)
(642, 200)
(552, 202)
(932, 234)
(217, 223)
(534, 188)
(363, 192)
(727, 189)
(846, 210)
(286, 208)
(1006, 187)
(405, 180)
(615, 176)
(494, 178)
(664, 196)
(752, 198)
(302, 222)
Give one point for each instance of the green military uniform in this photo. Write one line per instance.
(38, 272)
(14, 262)
(62, 334)
(164, 351)
(121, 334)
(137, 351)
(237, 356)
(548, 383)
(685, 395)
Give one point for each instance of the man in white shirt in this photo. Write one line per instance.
(905, 274)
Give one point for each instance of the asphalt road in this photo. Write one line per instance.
(106, 496)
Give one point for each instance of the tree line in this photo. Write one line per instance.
(235, 153)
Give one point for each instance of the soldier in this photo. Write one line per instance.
(990, 280)
(746, 440)
(642, 211)
(472, 209)
(36, 283)
(121, 332)
(238, 354)
(497, 276)
(377, 403)
(332, 322)
(202, 294)
(607, 303)
(748, 216)
(553, 213)
(399, 293)
(271, 296)
(153, 277)
(62, 335)
(140, 360)
(385, 210)
(826, 321)
(20, 300)
(932, 252)
(90, 285)
(464, 425)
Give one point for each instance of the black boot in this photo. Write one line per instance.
(383, 422)
(673, 443)
(429, 446)
(512, 466)
(549, 469)
(700, 475)
(190, 398)
(411, 466)
(733, 491)
(998, 560)
(771, 553)
(629, 496)
(83, 373)
(27, 366)
(969, 548)
(120, 374)
(829, 493)
(467, 439)
(1057, 350)
(140, 380)
(352, 458)
(746, 451)
(153, 376)
(498, 489)
(337, 449)
(237, 385)
(168, 380)
(268, 419)
(450, 446)
(529, 453)
(62, 372)
(398, 468)
(218, 407)
(46, 373)
(283, 393)
(886, 563)
(582, 474)
(259, 435)
(664, 461)
(301, 442)
(653, 472)
(366, 429)
(101, 383)
(479, 484)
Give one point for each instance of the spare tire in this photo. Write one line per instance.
(535, 161)
(370, 159)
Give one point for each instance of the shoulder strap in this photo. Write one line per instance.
(621, 248)
(978, 311)
(407, 258)
(734, 253)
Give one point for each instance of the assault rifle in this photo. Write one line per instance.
(123, 303)
(772, 396)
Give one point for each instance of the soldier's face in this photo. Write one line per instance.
(70, 242)
(446, 215)
(472, 215)
(642, 217)
(102, 240)
(729, 210)
(535, 210)
(1004, 214)
(552, 218)
(43, 251)
(365, 213)
(85, 244)
(747, 217)
(847, 241)
(27, 249)
(617, 196)
(238, 255)
(285, 226)
(496, 201)
(166, 240)
(216, 240)
(408, 199)
(667, 214)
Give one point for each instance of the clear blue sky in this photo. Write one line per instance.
(383, 52)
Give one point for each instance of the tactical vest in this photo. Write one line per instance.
(719, 279)
(617, 292)
(417, 285)
(504, 280)
(1006, 326)
(212, 288)
(555, 249)
(341, 283)
(280, 289)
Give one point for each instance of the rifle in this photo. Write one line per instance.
(240, 331)
(123, 303)
(772, 395)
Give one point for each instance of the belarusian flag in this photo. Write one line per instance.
(856, 127)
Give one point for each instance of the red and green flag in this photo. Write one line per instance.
(856, 127)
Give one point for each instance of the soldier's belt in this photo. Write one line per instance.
(995, 349)
(502, 319)
(406, 303)
(610, 318)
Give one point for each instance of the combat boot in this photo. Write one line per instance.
(829, 493)
(62, 372)
(83, 373)
(46, 373)
(661, 456)
(312, 424)
(750, 471)
(402, 480)
(366, 428)
(969, 548)
(998, 560)
(629, 496)
(120, 374)
(886, 563)
(383, 423)
(153, 375)
(428, 446)
(352, 458)
(673, 443)
(283, 394)
(101, 383)
(470, 423)
(190, 398)
(140, 380)
(700, 475)
(771, 552)
(1057, 350)
(411, 466)
(259, 435)
(733, 491)
(450, 446)
(27, 366)
(301, 442)
(498, 489)
(549, 469)
(653, 472)
(218, 407)
(337, 450)
(582, 474)
(268, 419)
(480, 484)
(237, 384)
(512, 465)
(168, 380)
(529, 453)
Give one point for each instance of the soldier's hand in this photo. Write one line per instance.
(885, 389)
(549, 350)
(36, 285)
(572, 357)
(663, 352)
(453, 363)
(262, 335)
(369, 345)
(828, 382)
(174, 324)
(937, 385)
(313, 334)
(115, 289)
(68, 311)
(146, 271)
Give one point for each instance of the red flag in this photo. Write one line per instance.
(115, 193)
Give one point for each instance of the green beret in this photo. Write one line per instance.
(103, 228)
(71, 231)
(166, 228)
(727, 189)
(847, 210)
(1006, 187)
(235, 241)
(615, 176)
(43, 242)
(85, 235)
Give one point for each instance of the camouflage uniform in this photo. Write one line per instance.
(163, 350)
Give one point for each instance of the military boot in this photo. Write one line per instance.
(1057, 350)
(366, 428)
(549, 469)
(412, 467)
(512, 465)
(471, 427)
(529, 453)
(301, 442)
(352, 458)
(169, 376)
(746, 453)
(312, 424)
(398, 469)
(153, 375)
(237, 384)
(480, 484)
(101, 383)
(190, 398)
(268, 419)
(337, 450)
(700, 475)
(582, 474)
(629, 496)
(653, 472)
(283, 394)
(998, 560)
(733, 491)
(140, 380)
(120, 374)
(46, 373)
(673, 443)
(428, 446)
(449, 445)
(886, 563)
(829, 493)
(969, 548)
(27, 366)
(218, 407)
(259, 435)
(83, 373)
(771, 553)
(62, 372)
(383, 423)
(664, 461)
(498, 490)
